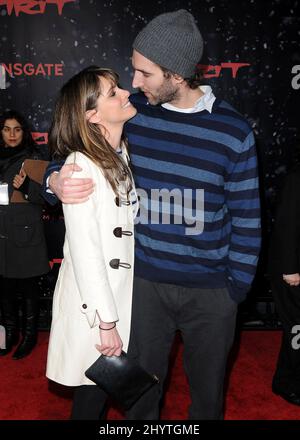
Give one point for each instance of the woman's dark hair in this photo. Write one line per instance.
(27, 141)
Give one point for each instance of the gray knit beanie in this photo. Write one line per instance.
(173, 41)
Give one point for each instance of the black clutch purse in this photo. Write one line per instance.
(121, 378)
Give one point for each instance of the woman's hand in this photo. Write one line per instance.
(292, 279)
(19, 179)
(111, 343)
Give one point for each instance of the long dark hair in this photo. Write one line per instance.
(71, 131)
(27, 141)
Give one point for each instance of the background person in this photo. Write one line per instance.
(23, 251)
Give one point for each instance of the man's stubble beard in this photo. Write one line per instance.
(166, 93)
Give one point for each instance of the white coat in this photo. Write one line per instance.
(90, 283)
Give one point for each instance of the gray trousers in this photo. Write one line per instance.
(206, 319)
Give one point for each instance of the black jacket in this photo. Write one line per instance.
(23, 251)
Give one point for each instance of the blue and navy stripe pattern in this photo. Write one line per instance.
(213, 152)
(53, 166)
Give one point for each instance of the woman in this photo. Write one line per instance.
(23, 252)
(92, 298)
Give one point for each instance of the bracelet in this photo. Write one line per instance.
(107, 328)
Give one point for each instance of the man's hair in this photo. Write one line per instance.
(193, 82)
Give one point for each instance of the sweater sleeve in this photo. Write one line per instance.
(46, 193)
(242, 200)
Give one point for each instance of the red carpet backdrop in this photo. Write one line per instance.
(248, 394)
(251, 58)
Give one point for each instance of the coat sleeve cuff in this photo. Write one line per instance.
(93, 317)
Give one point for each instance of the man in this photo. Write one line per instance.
(197, 248)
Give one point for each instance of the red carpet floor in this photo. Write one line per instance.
(26, 394)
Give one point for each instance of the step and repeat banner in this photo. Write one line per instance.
(251, 59)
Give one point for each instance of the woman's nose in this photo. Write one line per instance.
(125, 94)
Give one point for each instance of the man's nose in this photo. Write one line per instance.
(137, 82)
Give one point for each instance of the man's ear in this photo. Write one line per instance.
(93, 116)
(177, 78)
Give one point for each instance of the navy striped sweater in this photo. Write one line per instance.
(196, 175)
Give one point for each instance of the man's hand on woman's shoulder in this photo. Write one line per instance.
(70, 189)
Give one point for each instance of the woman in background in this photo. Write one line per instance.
(92, 298)
(23, 252)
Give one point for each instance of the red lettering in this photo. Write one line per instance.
(40, 138)
(60, 4)
(8, 68)
(214, 71)
(234, 67)
(28, 69)
(55, 261)
(58, 70)
(48, 68)
(40, 70)
(18, 69)
(207, 68)
(27, 7)
(9, 5)
(32, 7)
